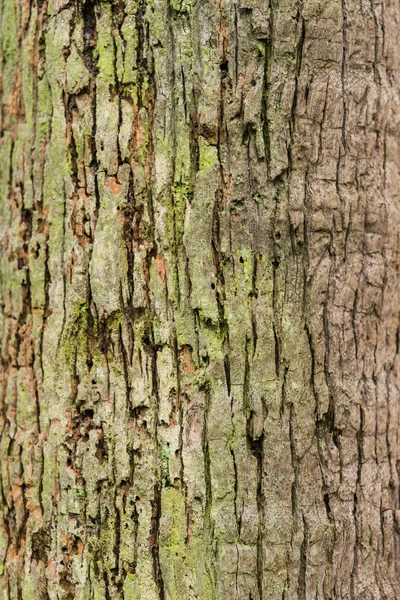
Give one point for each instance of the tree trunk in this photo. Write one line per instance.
(199, 299)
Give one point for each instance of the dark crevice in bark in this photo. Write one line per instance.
(255, 443)
(236, 29)
(257, 450)
(173, 124)
(128, 233)
(208, 522)
(268, 45)
(254, 296)
(89, 35)
(345, 56)
(276, 259)
(295, 462)
(302, 579)
(301, 24)
(156, 501)
(45, 314)
(356, 505)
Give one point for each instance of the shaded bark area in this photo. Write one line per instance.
(199, 286)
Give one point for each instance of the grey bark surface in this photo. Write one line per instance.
(199, 300)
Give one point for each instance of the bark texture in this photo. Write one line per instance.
(200, 299)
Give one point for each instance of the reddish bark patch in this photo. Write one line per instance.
(186, 361)
(161, 264)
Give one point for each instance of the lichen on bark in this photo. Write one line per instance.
(199, 300)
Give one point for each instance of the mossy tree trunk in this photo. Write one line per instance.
(200, 299)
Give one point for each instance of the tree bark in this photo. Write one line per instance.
(200, 299)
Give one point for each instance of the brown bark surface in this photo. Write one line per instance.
(199, 294)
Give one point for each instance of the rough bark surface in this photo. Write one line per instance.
(199, 299)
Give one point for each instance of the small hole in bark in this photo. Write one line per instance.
(253, 83)
(336, 435)
(94, 382)
(224, 65)
(327, 505)
(213, 286)
(241, 260)
(275, 263)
